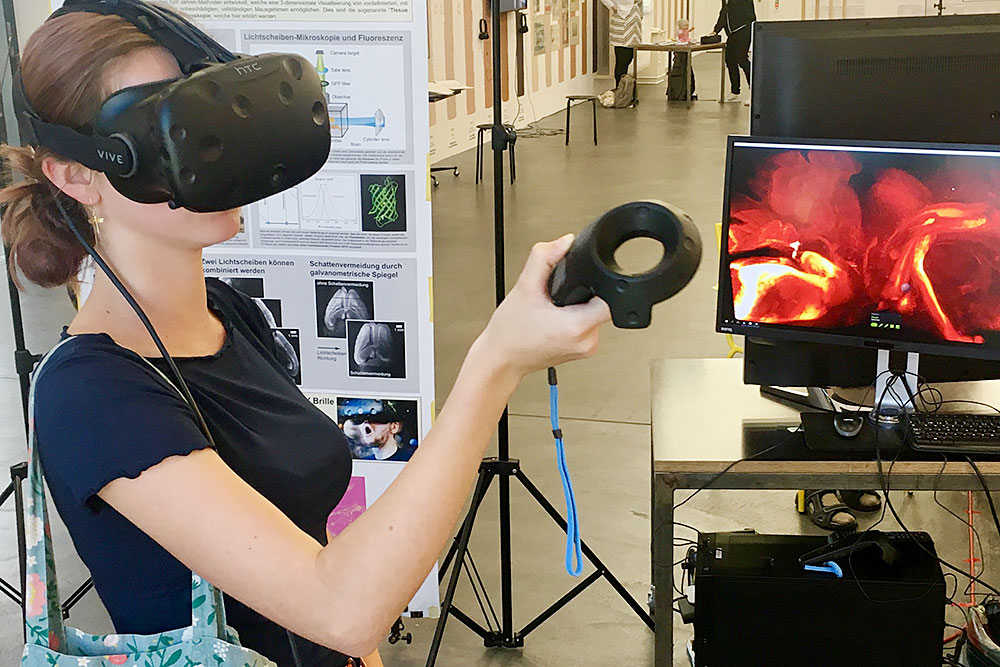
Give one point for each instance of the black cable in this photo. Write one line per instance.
(902, 525)
(965, 522)
(689, 527)
(951, 598)
(181, 384)
(489, 603)
(986, 491)
(734, 464)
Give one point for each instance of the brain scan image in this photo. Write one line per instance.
(288, 356)
(345, 304)
(291, 358)
(374, 348)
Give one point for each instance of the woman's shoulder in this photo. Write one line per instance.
(91, 364)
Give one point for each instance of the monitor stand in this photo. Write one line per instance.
(895, 388)
(813, 398)
(895, 391)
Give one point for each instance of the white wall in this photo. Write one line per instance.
(457, 53)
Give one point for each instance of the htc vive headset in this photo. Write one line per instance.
(230, 131)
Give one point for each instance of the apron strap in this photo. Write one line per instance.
(43, 612)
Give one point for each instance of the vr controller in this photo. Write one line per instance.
(589, 269)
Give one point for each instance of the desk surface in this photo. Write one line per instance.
(679, 47)
(699, 408)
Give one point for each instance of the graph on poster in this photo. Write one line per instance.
(327, 202)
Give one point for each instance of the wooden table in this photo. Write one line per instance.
(699, 410)
(689, 49)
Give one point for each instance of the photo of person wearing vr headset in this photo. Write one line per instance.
(193, 451)
(379, 430)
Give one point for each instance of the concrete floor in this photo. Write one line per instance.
(658, 150)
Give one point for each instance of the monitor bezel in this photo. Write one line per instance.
(803, 334)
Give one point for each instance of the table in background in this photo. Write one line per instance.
(440, 91)
(690, 49)
(699, 408)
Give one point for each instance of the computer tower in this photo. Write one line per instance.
(755, 604)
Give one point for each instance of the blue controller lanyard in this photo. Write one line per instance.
(572, 523)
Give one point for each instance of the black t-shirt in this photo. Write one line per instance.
(102, 413)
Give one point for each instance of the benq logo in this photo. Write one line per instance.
(110, 157)
(247, 69)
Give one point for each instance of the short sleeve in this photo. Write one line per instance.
(103, 413)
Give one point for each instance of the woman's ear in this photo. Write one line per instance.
(74, 179)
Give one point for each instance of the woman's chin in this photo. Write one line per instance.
(220, 227)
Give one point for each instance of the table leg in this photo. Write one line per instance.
(687, 82)
(635, 76)
(662, 559)
(722, 80)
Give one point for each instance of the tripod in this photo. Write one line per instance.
(502, 468)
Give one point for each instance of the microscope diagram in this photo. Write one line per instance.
(340, 119)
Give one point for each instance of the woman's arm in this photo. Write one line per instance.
(721, 23)
(347, 594)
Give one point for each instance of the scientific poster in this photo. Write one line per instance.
(342, 263)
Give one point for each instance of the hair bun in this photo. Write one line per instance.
(42, 248)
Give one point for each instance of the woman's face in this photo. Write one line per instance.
(180, 227)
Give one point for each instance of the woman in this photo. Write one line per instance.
(625, 25)
(145, 497)
(736, 17)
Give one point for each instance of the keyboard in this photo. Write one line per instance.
(953, 432)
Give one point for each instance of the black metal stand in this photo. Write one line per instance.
(502, 468)
(435, 170)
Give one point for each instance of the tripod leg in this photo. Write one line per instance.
(17, 476)
(591, 556)
(482, 484)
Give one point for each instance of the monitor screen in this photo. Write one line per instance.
(927, 78)
(887, 245)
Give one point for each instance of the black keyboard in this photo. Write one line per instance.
(953, 432)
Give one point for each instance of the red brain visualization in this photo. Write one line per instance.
(808, 248)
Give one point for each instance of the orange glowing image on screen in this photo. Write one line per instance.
(809, 246)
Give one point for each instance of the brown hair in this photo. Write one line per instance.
(64, 70)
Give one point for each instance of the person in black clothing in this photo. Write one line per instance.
(147, 498)
(736, 18)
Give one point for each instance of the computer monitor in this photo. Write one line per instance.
(882, 245)
(934, 78)
(929, 79)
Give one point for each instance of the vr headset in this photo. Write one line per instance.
(230, 131)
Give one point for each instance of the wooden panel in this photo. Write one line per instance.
(470, 36)
(488, 58)
(504, 40)
(449, 58)
(573, 50)
(562, 50)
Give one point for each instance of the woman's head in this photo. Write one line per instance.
(70, 65)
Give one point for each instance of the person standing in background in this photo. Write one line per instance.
(736, 18)
(626, 32)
